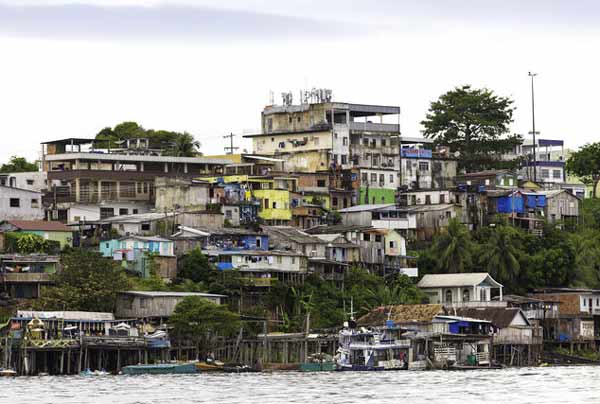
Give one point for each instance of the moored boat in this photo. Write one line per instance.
(7, 373)
(160, 369)
(318, 363)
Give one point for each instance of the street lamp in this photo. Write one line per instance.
(532, 75)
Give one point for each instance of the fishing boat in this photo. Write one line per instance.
(368, 349)
(318, 363)
(212, 366)
(160, 369)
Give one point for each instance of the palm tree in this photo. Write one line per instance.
(500, 256)
(184, 146)
(587, 255)
(453, 248)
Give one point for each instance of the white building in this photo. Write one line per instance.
(462, 290)
(20, 204)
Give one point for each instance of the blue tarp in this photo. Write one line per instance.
(507, 204)
(224, 266)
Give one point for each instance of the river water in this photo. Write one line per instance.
(507, 386)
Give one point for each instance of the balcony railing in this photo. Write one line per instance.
(374, 127)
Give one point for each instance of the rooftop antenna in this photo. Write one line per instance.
(351, 309)
(230, 149)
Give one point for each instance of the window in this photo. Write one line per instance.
(335, 158)
(29, 182)
(34, 203)
(123, 211)
(442, 198)
(228, 214)
(427, 199)
(375, 160)
(423, 166)
(366, 237)
(365, 177)
(289, 119)
(142, 303)
(345, 141)
(378, 238)
(383, 142)
(279, 259)
(282, 145)
(545, 173)
(299, 118)
(335, 135)
(392, 244)
(584, 303)
(266, 203)
(293, 260)
(466, 295)
(373, 177)
(365, 142)
(15, 202)
(270, 125)
(320, 183)
(135, 211)
(391, 178)
(557, 174)
(379, 252)
(106, 213)
(145, 226)
(382, 179)
(274, 205)
(448, 296)
(413, 199)
(334, 201)
(344, 159)
(373, 143)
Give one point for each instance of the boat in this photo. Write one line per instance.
(238, 368)
(368, 349)
(7, 372)
(160, 369)
(213, 366)
(89, 372)
(318, 363)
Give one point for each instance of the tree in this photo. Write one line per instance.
(18, 165)
(26, 243)
(500, 256)
(475, 123)
(173, 143)
(86, 282)
(196, 267)
(585, 163)
(453, 248)
(200, 321)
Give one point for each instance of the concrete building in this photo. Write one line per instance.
(548, 166)
(32, 180)
(51, 231)
(461, 290)
(20, 204)
(180, 194)
(337, 137)
(22, 276)
(103, 183)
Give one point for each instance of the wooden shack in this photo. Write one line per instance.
(155, 305)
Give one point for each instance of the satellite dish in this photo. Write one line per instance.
(457, 154)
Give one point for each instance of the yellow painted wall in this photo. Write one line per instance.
(324, 198)
(282, 201)
(398, 243)
(235, 158)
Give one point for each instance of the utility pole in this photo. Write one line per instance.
(230, 149)
(533, 132)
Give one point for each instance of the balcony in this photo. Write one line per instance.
(261, 282)
(374, 127)
(26, 277)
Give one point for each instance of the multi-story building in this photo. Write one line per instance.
(371, 158)
(96, 184)
(548, 164)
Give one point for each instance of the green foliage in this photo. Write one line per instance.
(453, 249)
(87, 282)
(475, 123)
(500, 255)
(174, 143)
(18, 165)
(585, 163)
(200, 320)
(196, 267)
(26, 243)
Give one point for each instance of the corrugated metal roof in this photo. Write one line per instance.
(67, 315)
(169, 294)
(456, 280)
(363, 208)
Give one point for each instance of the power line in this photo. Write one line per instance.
(230, 149)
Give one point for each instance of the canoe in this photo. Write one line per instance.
(7, 373)
(160, 369)
(209, 367)
(317, 367)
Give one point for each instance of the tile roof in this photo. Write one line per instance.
(40, 225)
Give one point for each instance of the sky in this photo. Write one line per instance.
(70, 68)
